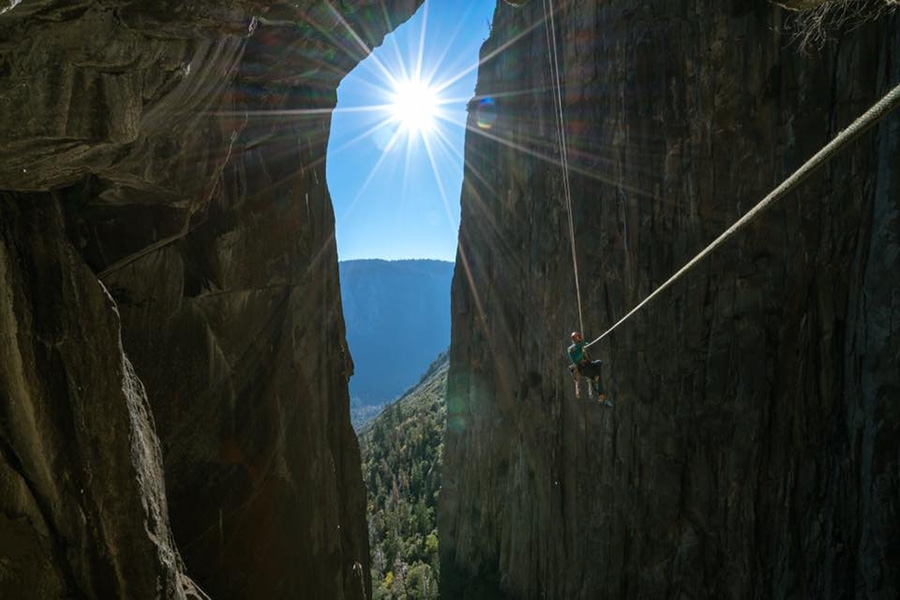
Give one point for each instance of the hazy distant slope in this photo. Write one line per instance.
(398, 319)
(402, 454)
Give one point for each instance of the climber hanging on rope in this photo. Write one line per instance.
(582, 365)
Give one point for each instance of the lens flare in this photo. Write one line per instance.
(486, 113)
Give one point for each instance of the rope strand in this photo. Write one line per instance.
(877, 112)
(553, 58)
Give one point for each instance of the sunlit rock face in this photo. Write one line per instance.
(176, 151)
(753, 447)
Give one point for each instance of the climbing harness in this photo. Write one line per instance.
(878, 111)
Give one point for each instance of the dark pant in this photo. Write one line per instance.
(592, 370)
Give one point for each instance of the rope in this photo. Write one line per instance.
(563, 142)
(877, 112)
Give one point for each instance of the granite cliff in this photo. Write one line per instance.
(169, 296)
(753, 448)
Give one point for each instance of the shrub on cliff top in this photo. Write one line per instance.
(817, 21)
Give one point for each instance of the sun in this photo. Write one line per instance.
(414, 105)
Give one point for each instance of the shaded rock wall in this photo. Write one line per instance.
(177, 152)
(753, 447)
(82, 495)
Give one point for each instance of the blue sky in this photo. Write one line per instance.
(393, 199)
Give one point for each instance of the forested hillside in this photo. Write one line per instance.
(402, 452)
(397, 315)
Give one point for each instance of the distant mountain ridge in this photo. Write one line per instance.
(397, 316)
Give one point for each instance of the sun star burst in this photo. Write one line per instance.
(414, 105)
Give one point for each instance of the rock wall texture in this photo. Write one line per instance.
(753, 448)
(176, 152)
(82, 497)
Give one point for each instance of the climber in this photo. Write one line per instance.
(583, 365)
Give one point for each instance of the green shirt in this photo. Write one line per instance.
(577, 352)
